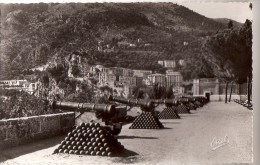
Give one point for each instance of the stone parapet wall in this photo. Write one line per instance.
(22, 130)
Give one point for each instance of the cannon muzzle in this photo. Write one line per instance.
(147, 105)
(107, 110)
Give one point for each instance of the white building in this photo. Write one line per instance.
(157, 78)
(215, 89)
(13, 84)
(173, 78)
(168, 63)
(142, 73)
(21, 85)
(106, 79)
(178, 90)
(161, 63)
(182, 63)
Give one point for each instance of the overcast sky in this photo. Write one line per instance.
(237, 11)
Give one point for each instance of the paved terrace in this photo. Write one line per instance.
(184, 141)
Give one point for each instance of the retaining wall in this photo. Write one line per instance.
(22, 130)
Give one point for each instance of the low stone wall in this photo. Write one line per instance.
(22, 130)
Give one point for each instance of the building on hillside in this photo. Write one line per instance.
(168, 63)
(106, 70)
(157, 78)
(215, 89)
(142, 73)
(173, 79)
(127, 91)
(147, 82)
(127, 81)
(188, 86)
(128, 72)
(75, 58)
(12, 83)
(21, 85)
(106, 79)
(76, 61)
(139, 40)
(93, 69)
(138, 81)
(31, 87)
(118, 71)
(99, 67)
(182, 62)
(178, 90)
(161, 63)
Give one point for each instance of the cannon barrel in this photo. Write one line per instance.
(183, 100)
(144, 103)
(169, 102)
(158, 101)
(200, 99)
(192, 99)
(105, 109)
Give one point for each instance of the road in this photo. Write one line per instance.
(217, 133)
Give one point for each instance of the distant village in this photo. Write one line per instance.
(123, 80)
(120, 79)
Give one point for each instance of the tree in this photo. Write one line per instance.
(138, 92)
(162, 92)
(249, 90)
(231, 91)
(155, 91)
(226, 91)
(232, 49)
(169, 93)
(107, 90)
(21, 104)
(45, 79)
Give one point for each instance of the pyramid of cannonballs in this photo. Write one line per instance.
(90, 139)
(146, 120)
(182, 109)
(169, 113)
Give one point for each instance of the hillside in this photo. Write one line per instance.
(225, 21)
(36, 34)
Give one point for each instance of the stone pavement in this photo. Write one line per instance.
(217, 133)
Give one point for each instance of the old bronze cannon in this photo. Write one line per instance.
(167, 102)
(108, 113)
(92, 138)
(200, 100)
(147, 119)
(146, 105)
(170, 112)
